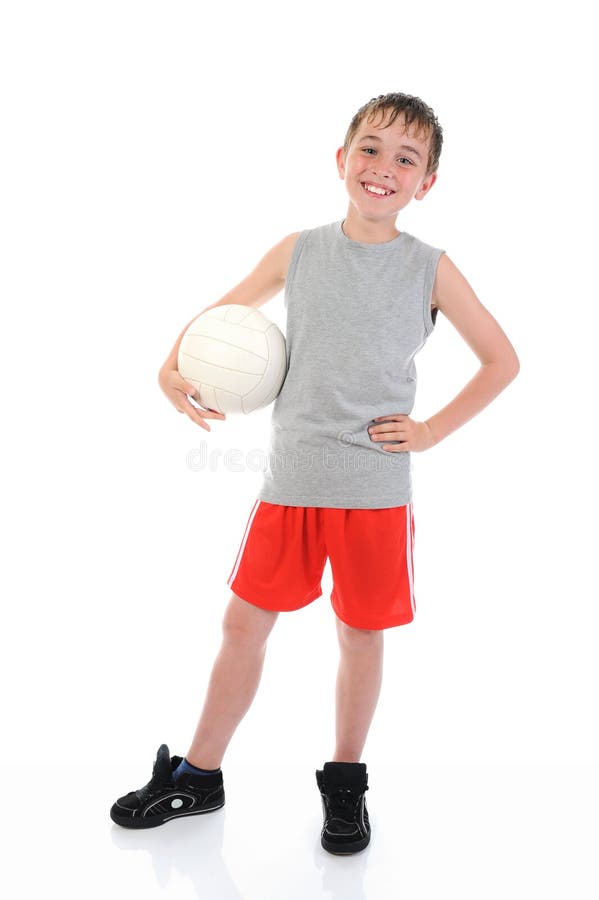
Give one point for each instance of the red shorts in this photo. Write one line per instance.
(283, 552)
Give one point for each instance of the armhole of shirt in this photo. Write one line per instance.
(429, 282)
(297, 249)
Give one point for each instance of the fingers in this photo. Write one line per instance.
(384, 431)
(196, 412)
(206, 412)
(184, 406)
(185, 398)
(198, 415)
(212, 414)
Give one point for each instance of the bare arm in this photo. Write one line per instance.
(499, 363)
(263, 283)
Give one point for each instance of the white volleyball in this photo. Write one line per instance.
(236, 358)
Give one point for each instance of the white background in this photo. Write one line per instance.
(152, 153)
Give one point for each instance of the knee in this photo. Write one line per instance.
(238, 631)
(246, 624)
(358, 637)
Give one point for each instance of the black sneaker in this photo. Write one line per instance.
(342, 788)
(161, 799)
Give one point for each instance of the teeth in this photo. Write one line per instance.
(376, 190)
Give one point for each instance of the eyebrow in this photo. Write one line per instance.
(374, 137)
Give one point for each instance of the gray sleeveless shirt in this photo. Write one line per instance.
(357, 315)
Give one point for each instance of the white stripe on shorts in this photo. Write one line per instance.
(233, 574)
(409, 551)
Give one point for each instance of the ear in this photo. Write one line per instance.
(340, 157)
(425, 186)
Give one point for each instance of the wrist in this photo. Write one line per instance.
(163, 373)
(434, 437)
(170, 363)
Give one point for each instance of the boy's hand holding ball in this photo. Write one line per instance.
(178, 391)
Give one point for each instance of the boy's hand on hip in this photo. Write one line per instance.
(414, 436)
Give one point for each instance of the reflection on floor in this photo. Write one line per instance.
(437, 831)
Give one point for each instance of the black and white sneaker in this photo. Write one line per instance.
(161, 800)
(346, 827)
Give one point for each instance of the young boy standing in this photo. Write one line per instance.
(362, 298)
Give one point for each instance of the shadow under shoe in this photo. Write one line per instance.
(161, 800)
(346, 827)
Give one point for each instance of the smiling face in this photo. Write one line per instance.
(389, 159)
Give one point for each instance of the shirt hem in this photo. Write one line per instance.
(335, 503)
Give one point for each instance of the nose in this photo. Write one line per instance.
(381, 170)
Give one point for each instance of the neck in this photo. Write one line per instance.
(368, 232)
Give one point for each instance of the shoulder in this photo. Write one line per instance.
(276, 261)
(285, 250)
(440, 276)
(449, 282)
(424, 253)
(321, 235)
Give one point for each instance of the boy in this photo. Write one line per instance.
(362, 298)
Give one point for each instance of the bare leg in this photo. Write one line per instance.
(359, 680)
(234, 680)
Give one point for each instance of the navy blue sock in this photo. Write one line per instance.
(185, 767)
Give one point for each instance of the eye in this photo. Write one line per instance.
(366, 149)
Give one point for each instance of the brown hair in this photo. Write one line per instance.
(414, 110)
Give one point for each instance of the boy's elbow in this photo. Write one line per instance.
(512, 367)
(508, 361)
(506, 367)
